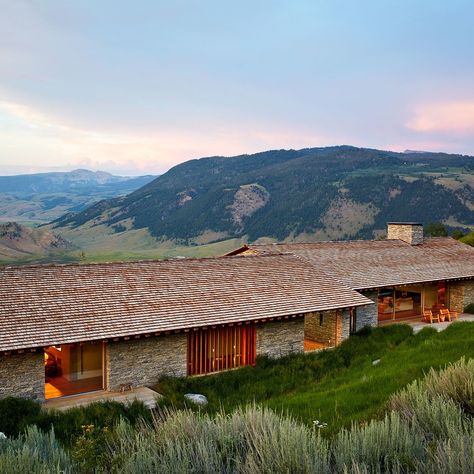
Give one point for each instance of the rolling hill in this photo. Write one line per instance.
(316, 193)
(22, 243)
(43, 197)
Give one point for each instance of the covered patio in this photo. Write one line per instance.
(418, 324)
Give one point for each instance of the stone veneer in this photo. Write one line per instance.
(22, 375)
(410, 233)
(346, 324)
(144, 361)
(324, 327)
(468, 292)
(368, 315)
(325, 333)
(461, 294)
(277, 339)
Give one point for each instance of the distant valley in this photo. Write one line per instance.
(43, 197)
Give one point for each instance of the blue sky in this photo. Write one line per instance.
(136, 87)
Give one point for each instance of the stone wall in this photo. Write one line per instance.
(456, 296)
(143, 361)
(277, 339)
(368, 315)
(345, 325)
(22, 375)
(468, 292)
(324, 327)
(461, 294)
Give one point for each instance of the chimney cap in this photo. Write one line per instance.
(405, 223)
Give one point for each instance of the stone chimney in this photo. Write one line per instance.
(409, 232)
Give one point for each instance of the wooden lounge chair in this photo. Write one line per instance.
(428, 316)
(453, 315)
(448, 315)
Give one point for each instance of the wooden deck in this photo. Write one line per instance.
(143, 394)
(60, 386)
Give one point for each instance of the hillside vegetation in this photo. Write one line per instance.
(426, 426)
(20, 243)
(338, 386)
(315, 193)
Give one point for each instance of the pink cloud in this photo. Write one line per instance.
(41, 140)
(447, 117)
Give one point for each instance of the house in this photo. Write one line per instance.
(71, 329)
(402, 275)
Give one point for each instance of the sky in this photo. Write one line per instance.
(136, 87)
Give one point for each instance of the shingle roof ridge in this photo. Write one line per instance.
(316, 242)
(448, 238)
(131, 262)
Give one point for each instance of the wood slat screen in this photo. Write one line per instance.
(212, 350)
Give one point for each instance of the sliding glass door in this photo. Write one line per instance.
(71, 369)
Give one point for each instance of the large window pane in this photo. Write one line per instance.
(71, 369)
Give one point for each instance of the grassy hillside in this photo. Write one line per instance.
(425, 427)
(19, 243)
(337, 386)
(317, 193)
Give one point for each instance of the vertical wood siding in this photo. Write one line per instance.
(216, 349)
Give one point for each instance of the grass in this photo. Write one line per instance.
(336, 386)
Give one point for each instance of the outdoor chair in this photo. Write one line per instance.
(428, 316)
(453, 315)
(448, 315)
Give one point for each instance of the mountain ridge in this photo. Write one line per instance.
(325, 192)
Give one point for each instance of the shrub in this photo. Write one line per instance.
(455, 382)
(453, 385)
(68, 424)
(89, 450)
(34, 452)
(469, 308)
(389, 445)
(16, 414)
(435, 416)
(451, 456)
(468, 239)
(248, 441)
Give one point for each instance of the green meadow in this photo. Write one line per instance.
(337, 386)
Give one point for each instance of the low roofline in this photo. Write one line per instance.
(250, 246)
(178, 330)
(183, 260)
(414, 282)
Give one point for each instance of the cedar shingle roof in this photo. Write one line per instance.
(363, 264)
(57, 304)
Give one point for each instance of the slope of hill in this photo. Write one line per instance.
(43, 197)
(318, 193)
(18, 242)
